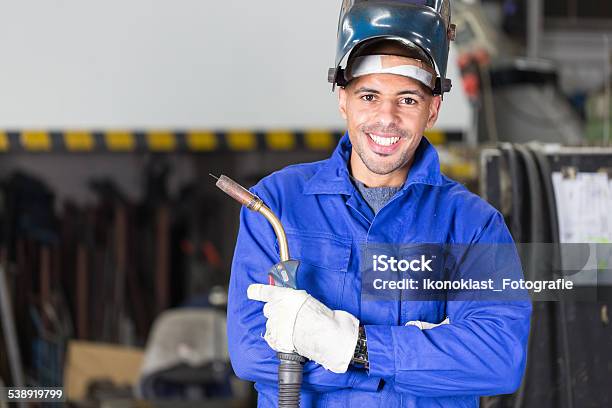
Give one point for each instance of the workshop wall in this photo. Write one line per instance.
(188, 64)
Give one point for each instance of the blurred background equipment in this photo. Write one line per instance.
(515, 94)
(186, 357)
(91, 364)
(542, 190)
(108, 134)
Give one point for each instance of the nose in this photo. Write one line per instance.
(387, 114)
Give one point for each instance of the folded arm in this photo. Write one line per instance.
(483, 349)
(251, 357)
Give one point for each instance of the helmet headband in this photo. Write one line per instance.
(391, 64)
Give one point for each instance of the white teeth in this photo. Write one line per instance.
(384, 141)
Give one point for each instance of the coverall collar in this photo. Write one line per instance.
(333, 177)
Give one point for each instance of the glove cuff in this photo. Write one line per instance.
(326, 336)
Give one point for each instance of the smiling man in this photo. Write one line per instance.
(381, 186)
(386, 113)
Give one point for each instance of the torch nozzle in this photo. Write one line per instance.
(238, 193)
(254, 203)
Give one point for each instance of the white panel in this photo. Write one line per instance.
(178, 64)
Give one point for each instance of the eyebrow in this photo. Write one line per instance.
(412, 92)
(366, 90)
(405, 92)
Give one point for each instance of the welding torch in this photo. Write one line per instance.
(284, 273)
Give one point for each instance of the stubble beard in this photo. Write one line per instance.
(379, 164)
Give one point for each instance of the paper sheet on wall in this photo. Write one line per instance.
(584, 210)
(584, 207)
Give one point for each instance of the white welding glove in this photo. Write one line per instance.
(426, 325)
(297, 322)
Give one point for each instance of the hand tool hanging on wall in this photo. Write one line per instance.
(10, 333)
(290, 370)
(31, 237)
(157, 173)
(117, 322)
(197, 265)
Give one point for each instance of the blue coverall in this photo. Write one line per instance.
(482, 351)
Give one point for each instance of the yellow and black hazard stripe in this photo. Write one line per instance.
(193, 141)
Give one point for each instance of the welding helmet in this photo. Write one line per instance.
(421, 24)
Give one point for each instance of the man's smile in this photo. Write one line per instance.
(383, 140)
(383, 143)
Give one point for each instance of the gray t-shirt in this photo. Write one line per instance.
(376, 197)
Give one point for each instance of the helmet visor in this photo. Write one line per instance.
(442, 7)
(421, 23)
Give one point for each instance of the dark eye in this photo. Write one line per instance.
(368, 97)
(408, 101)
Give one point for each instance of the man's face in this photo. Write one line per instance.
(386, 116)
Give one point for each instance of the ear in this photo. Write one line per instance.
(342, 101)
(434, 110)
